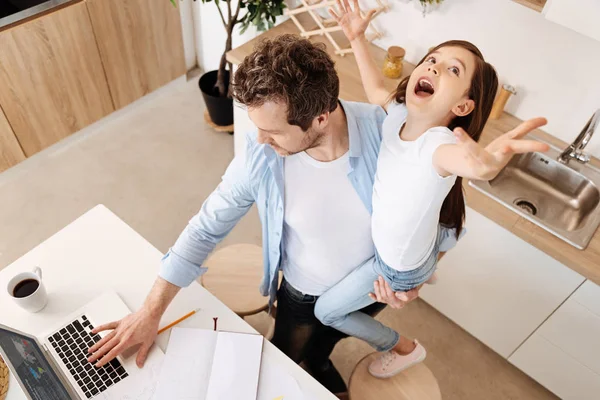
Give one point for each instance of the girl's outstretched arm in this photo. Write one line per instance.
(470, 160)
(354, 27)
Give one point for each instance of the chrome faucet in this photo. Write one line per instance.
(575, 149)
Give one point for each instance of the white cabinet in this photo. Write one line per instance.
(582, 16)
(588, 295)
(498, 287)
(564, 353)
(556, 370)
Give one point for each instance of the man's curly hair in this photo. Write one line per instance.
(290, 70)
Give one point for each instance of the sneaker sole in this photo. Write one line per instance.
(396, 372)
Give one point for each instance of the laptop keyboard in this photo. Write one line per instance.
(72, 343)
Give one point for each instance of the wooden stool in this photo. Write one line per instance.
(234, 276)
(415, 383)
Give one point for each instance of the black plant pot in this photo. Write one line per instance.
(220, 109)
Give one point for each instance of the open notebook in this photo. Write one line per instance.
(209, 365)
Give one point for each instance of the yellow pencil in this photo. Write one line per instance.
(172, 324)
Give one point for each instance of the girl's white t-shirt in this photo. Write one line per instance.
(408, 193)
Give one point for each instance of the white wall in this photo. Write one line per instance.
(554, 68)
(187, 27)
(211, 35)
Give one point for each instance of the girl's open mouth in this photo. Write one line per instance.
(424, 88)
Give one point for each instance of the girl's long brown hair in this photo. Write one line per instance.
(482, 91)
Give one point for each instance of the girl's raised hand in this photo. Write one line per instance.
(486, 163)
(351, 21)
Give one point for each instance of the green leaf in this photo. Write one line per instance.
(174, 3)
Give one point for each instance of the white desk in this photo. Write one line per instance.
(99, 252)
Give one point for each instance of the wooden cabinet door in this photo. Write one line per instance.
(51, 79)
(497, 287)
(10, 150)
(140, 44)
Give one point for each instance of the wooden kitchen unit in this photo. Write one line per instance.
(10, 150)
(52, 83)
(140, 43)
(73, 63)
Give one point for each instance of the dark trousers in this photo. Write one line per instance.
(302, 337)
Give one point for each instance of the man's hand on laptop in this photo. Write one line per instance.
(139, 328)
(383, 293)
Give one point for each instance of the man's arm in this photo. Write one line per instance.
(219, 214)
(180, 266)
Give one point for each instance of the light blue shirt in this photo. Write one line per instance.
(259, 179)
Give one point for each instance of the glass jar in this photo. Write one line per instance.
(392, 66)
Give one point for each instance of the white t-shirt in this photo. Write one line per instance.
(408, 193)
(327, 228)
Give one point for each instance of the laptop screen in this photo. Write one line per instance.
(27, 358)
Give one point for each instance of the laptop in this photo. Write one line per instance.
(54, 366)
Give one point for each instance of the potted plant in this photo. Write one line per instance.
(215, 84)
(429, 5)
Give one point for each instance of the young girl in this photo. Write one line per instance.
(417, 185)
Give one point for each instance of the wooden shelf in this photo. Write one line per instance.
(537, 5)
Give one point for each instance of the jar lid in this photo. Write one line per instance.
(510, 89)
(396, 52)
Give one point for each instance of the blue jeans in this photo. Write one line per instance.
(338, 307)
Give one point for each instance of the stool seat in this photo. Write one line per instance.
(415, 383)
(234, 276)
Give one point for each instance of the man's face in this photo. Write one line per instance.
(274, 130)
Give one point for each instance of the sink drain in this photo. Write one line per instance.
(526, 206)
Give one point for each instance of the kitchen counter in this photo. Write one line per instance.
(33, 12)
(585, 262)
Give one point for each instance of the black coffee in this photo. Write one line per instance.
(26, 288)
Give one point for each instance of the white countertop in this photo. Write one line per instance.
(98, 252)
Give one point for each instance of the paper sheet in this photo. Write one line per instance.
(236, 367)
(275, 383)
(187, 366)
(142, 384)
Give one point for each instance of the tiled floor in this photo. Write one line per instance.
(153, 164)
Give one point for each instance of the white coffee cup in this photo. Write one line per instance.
(37, 300)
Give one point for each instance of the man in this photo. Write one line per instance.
(315, 212)
(319, 234)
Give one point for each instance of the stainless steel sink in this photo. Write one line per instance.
(561, 198)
